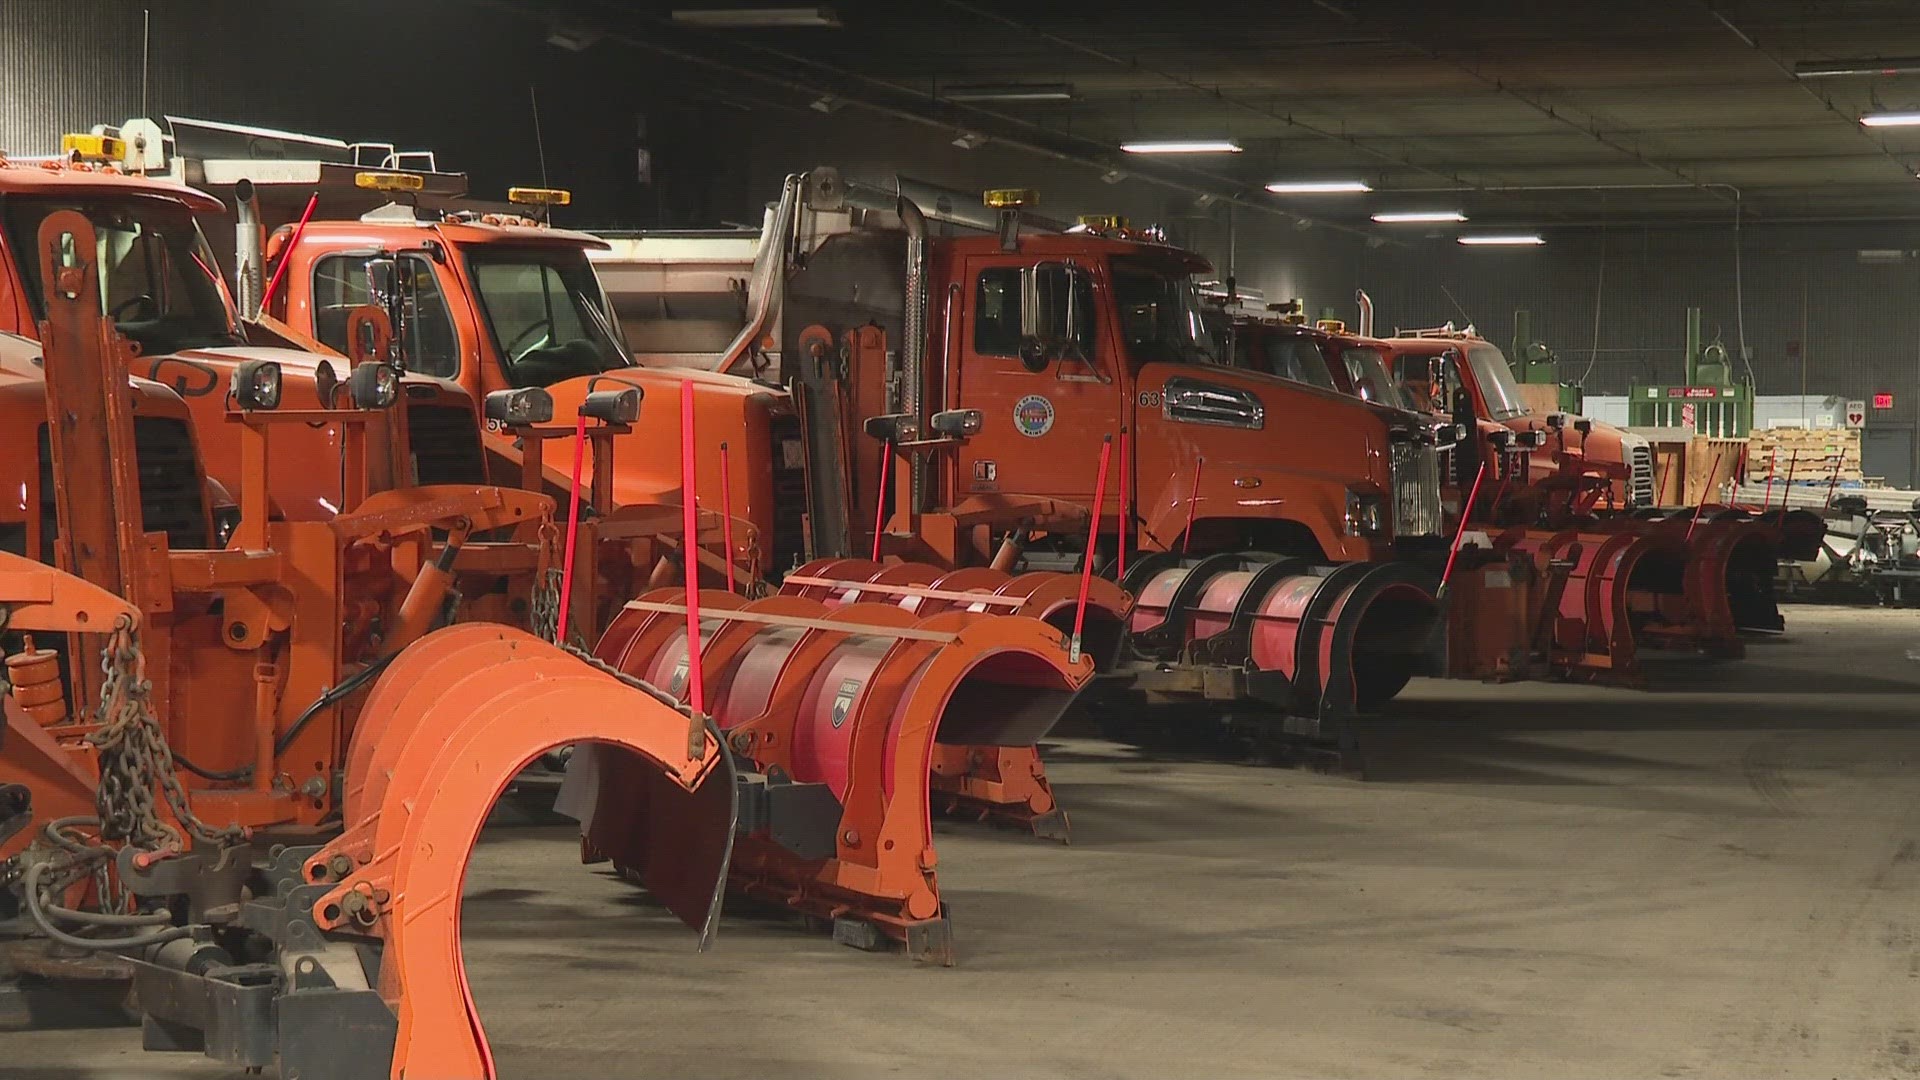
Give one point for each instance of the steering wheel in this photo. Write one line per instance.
(514, 352)
(131, 303)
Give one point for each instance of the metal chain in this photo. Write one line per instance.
(135, 757)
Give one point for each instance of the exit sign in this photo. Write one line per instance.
(1882, 399)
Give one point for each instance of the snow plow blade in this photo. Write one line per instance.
(834, 713)
(998, 783)
(1319, 644)
(1589, 632)
(450, 723)
(1712, 580)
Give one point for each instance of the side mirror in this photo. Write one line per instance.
(1556, 421)
(383, 277)
(1583, 425)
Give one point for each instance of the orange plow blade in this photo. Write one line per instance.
(1000, 783)
(367, 927)
(837, 711)
(1589, 631)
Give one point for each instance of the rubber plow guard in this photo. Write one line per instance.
(455, 717)
(1324, 643)
(1590, 636)
(840, 708)
(1001, 783)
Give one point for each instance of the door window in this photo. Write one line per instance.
(996, 310)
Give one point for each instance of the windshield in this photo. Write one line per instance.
(1289, 355)
(1160, 315)
(158, 280)
(1371, 379)
(1496, 381)
(547, 314)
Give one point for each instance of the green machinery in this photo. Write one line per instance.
(1535, 364)
(1711, 401)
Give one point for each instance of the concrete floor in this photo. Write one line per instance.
(1538, 880)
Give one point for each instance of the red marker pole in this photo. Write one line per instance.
(573, 527)
(1833, 483)
(1093, 536)
(1126, 515)
(281, 270)
(1773, 463)
(880, 497)
(690, 526)
(1193, 503)
(726, 512)
(1460, 532)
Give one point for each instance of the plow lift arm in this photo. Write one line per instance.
(336, 960)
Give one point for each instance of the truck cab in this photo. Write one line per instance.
(1070, 338)
(161, 287)
(1450, 373)
(497, 302)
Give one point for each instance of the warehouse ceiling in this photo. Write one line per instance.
(1520, 114)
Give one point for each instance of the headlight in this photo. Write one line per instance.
(525, 406)
(373, 386)
(256, 385)
(1366, 513)
(617, 407)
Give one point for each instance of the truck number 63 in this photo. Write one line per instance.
(1149, 399)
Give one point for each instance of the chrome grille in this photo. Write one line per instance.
(1640, 469)
(1416, 488)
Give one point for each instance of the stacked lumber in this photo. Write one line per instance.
(1811, 454)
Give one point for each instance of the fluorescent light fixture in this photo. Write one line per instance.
(1870, 65)
(825, 103)
(1891, 119)
(746, 18)
(1396, 217)
(1010, 92)
(1503, 240)
(1318, 187)
(1183, 146)
(1113, 176)
(968, 140)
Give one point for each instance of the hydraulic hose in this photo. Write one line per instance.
(43, 912)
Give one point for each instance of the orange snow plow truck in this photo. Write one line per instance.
(995, 392)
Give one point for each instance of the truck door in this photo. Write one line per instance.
(1047, 387)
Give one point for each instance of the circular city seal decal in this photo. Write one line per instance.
(1033, 416)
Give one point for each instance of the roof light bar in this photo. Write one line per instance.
(1183, 146)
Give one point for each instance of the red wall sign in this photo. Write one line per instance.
(1883, 399)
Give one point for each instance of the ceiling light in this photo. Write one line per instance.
(1010, 92)
(1395, 217)
(1113, 176)
(1873, 65)
(1183, 146)
(825, 103)
(1318, 187)
(742, 18)
(968, 140)
(573, 38)
(1891, 119)
(1507, 240)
